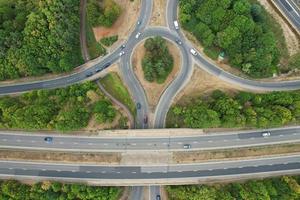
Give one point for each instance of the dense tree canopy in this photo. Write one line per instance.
(238, 28)
(242, 110)
(283, 188)
(158, 62)
(37, 37)
(13, 190)
(102, 12)
(61, 109)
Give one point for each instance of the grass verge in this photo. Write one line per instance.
(201, 156)
(95, 49)
(113, 84)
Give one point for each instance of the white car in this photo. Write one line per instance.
(137, 35)
(121, 53)
(194, 52)
(176, 25)
(266, 134)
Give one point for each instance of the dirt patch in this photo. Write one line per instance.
(46, 156)
(291, 39)
(124, 24)
(203, 83)
(154, 90)
(158, 13)
(203, 156)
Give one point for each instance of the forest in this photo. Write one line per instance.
(280, 188)
(38, 37)
(157, 63)
(63, 109)
(240, 28)
(240, 110)
(13, 190)
(104, 15)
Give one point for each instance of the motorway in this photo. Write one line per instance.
(12, 140)
(291, 11)
(164, 174)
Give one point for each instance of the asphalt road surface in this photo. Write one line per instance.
(12, 140)
(291, 10)
(118, 174)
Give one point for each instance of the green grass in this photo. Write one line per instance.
(95, 49)
(113, 84)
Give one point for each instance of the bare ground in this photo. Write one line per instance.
(158, 13)
(124, 24)
(202, 83)
(46, 156)
(154, 90)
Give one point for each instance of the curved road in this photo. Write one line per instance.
(12, 140)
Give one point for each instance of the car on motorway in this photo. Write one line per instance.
(194, 52)
(158, 197)
(178, 41)
(121, 53)
(145, 119)
(89, 74)
(176, 25)
(187, 146)
(48, 139)
(137, 35)
(106, 65)
(138, 106)
(266, 134)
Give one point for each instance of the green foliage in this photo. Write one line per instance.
(158, 62)
(108, 41)
(55, 191)
(283, 188)
(104, 111)
(37, 37)
(61, 109)
(295, 61)
(114, 85)
(243, 110)
(95, 48)
(241, 29)
(104, 15)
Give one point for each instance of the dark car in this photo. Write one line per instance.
(145, 120)
(138, 106)
(98, 70)
(178, 41)
(158, 197)
(48, 139)
(89, 74)
(106, 65)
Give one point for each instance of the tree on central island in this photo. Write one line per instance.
(157, 63)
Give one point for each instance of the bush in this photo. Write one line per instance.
(62, 109)
(158, 62)
(243, 110)
(105, 15)
(108, 41)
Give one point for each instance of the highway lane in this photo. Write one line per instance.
(122, 175)
(136, 193)
(290, 10)
(12, 140)
(154, 191)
